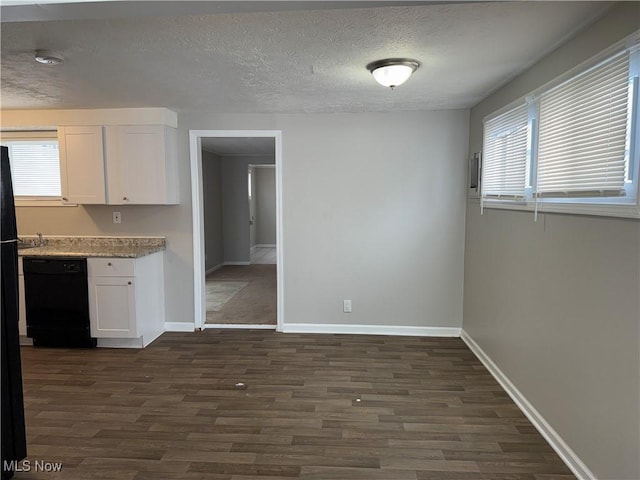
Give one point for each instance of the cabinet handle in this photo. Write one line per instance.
(128, 283)
(109, 264)
(65, 198)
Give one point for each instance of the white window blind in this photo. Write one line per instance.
(583, 133)
(35, 168)
(505, 154)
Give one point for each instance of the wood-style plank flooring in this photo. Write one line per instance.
(314, 407)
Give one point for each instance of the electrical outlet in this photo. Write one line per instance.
(117, 218)
(346, 306)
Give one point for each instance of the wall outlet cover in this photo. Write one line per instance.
(346, 306)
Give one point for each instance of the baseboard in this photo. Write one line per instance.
(568, 456)
(265, 245)
(238, 325)
(213, 269)
(179, 327)
(371, 329)
(120, 343)
(237, 263)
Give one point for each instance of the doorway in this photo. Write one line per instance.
(262, 214)
(198, 138)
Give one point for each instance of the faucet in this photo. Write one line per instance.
(41, 240)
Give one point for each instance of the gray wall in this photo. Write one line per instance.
(212, 197)
(373, 211)
(555, 303)
(265, 194)
(235, 205)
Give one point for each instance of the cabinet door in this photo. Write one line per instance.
(112, 307)
(82, 165)
(140, 163)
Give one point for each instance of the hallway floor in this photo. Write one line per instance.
(263, 255)
(242, 295)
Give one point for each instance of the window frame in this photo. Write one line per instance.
(627, 206)
(9, 136)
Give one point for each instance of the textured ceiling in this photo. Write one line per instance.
(284, 61)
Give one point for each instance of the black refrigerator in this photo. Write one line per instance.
(14, 442)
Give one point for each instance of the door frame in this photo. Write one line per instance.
(197, 209)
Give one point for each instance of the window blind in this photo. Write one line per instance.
(583, 133)
(504, 169)
(35, 168)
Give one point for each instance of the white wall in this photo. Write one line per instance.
(212, 197)
(265, 195)
(555, 303)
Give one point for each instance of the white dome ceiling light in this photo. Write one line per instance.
(49, 58)
(392, 72)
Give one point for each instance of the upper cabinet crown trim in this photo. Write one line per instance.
(102, 116)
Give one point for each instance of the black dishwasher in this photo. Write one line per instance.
(57, 301)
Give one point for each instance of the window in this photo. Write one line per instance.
(505, 153)
(570, 147)
(35, 165)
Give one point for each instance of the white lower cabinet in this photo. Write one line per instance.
(126, 300)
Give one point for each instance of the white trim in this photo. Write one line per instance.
(139, 342)
(237, 263)
(568, 456)
(265, 245)
(371, 329)
(213, 269)
(600, 209)
(240, 326)
(41, 203)
(197, 201)
(195, 155)
(179, 327)
(52, 119)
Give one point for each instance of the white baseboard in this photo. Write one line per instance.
(120, 343)
(568, 456)
(265, 245)
(213, 269)
(179, 327)
(237, 263)
(371, 329)
(237, 325)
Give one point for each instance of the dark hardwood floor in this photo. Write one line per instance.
(313, 407)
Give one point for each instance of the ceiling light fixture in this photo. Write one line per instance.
(392, 72)
(48, 58)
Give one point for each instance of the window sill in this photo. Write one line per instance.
(42, 203)
(600, 210)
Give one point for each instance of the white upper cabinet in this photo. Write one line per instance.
(119, 164)
(82, 165)
(141, 165)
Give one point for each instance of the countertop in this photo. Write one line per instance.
(115, 247)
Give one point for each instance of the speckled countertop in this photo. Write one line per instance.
(123, 247)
